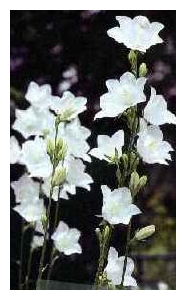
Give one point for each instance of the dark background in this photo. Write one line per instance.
(43, 45)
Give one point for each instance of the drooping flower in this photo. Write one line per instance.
(151, 147)
(75, 177)
(156, 112)
(39, 96)
(15, 151)
(68, 106)
(35, 157)
(75, 137)
(31, 209)
(117, 205)
(121, 95)
(66, 239)
(137, 33)
(25, 189)
(33, 121)
(114, 269)
(107, 145)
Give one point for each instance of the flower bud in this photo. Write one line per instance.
(59, 176)
(143, 70)
(125, 160)
(142, 182)
(44, 221)
(145, 232)
(134, 182)
(132, 57)
(50, 147)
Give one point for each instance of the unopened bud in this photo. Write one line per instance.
(50, 147)
(59, 176)
(143, 181)
(124, 159)
(134, 181)
(132, 57)
(143, 70)
(44, 221)
(145, 232)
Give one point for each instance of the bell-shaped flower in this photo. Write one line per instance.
(15, 151)
(156, 112)
(117, 205)
(35, 157)
(39, 96)
(75, 137)
(69, 106)
(25, 189)
(122, 94)
(137, 33)
(107, 145)
(31, 210)
(75, 177)
(66, 239)
(33, 121)
(114, 269)
(151, 147)
(37, 241)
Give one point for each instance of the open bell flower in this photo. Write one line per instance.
(156, 112)
(69, 106)
(122, 94)
(151, 147)
(33, 121)
(117, 205)
(114, 269)
(137, 33)
(35, 157)
(107, 145)
(31, 209)
(39, 96)
(15, 151)
(25, 189)
(66, 239)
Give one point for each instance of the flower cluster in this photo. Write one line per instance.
(37, 124)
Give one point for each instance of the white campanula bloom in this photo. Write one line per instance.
(37, 241)
(25, 189)
(107, 145)
(39, 96)
(75, 137)
(15, 151)
(156, 112)
(114, 269)
(117, 205)
(122, 94)
(75, 177)
(31, 210)
(36, 159)
(151, 147)
(66, 239)
(33, 121)
(68, 106)
(136, 34)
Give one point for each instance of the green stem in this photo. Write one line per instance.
(51, 269)
(29, 269)
(126, 253)
(21, 257)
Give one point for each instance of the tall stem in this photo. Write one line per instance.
(21, 256)
(126, 253)
(41, 263)
(29, 269)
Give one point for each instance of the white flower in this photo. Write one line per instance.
(68, 106)
(66, 239)
(15, 151)
(117, 205)
(25, 189)
(33, 121)
(121, 95)
(114, 269)
(39, 227)
(37, 241)
(75, 137)
(152, 148)
(35, 157)
(75, 177)
(107, 145)
(31, 210)
(156, 111)
(136, 34)
(39, 96)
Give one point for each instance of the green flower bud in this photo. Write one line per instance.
(125, 161)
(59, 176)
(106, 232)
(50, 147)
(59, 144)
(143, 181)
(143, 70)
(132, 57)
(134, 182)
(145, 232)
(44, 221)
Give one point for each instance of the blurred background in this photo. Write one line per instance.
(71, 51)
